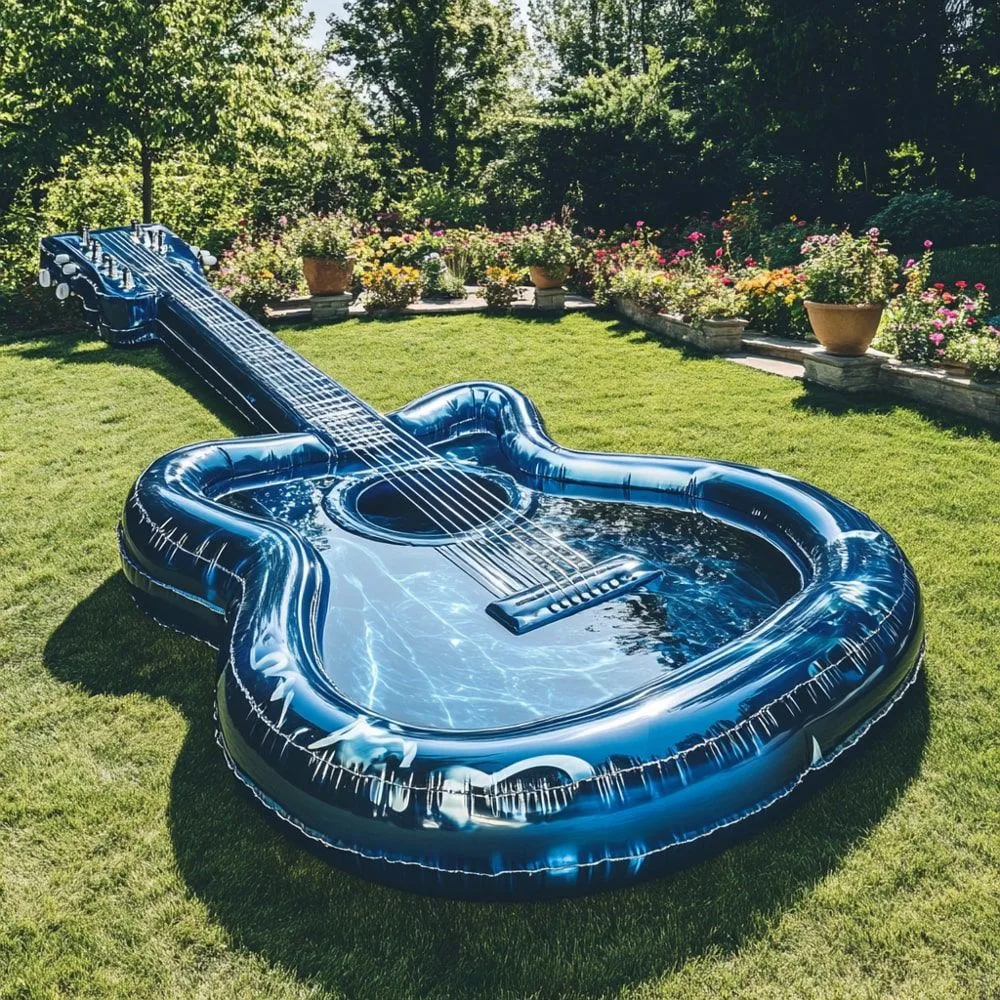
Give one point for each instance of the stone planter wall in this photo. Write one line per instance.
(716, 336)
(940, 389)
(937, 388)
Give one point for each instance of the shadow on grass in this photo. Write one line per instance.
(83, 348)
(819, 399)
(361, 940)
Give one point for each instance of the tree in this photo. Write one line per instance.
(431, 69)
(152, 72)
(815, 94)
(613, 148)
(589, 36)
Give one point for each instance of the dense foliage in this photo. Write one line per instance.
(217, 118)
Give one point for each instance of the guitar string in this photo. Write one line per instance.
(340, 398)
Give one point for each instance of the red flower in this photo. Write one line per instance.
(979, 286)
(961, 284)
(939, 285)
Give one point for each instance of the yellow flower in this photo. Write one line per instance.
(789, 299)
(793, 218)
(266, 274)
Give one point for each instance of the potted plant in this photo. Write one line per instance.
(326, 243)
(848, 280)
(546, 250)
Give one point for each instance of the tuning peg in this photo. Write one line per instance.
(44, 278)
(84, 236)
(159, 241)
(70, 269)
(62, 291)
(136, 230)
(61, 258)
(126, 277)
(94, 250)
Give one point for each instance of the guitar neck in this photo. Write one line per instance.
(271, 383)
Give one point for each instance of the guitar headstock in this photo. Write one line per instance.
(121, 274)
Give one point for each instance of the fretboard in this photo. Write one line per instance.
(319, 402)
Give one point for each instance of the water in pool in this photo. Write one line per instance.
(405, 635)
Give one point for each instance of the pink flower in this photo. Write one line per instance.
(696, 237)
(800, 223)
(910, 263)
(718, 253)
(970, 320)
(683, 253)
(979, 286)
(749, 262)
(283, 221)
(961, 284)
(935, 338)
(639, 224)
(661, 261)
(927, 244)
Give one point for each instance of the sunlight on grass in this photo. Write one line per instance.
(133, 866)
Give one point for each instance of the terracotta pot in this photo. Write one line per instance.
(328, 277)
(844, 330)
(544, 278)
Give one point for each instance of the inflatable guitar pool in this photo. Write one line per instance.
(464, 659)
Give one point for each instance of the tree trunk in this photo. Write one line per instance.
(146, 162)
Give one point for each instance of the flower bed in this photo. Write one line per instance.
(935, 324)
(681, 291)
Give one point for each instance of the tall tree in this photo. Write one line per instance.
(431, 69)
(150, 72)
(588, 36)
(822, 90)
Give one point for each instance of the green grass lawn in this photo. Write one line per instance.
(133, 866)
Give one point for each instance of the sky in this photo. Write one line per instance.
(322, 9)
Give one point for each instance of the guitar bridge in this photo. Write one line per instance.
(537, 606)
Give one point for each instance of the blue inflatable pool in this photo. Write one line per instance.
(465, 660)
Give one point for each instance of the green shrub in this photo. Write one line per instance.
(968, 263)
(437, 281)
(910, 218)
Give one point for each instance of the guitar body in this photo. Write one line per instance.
(493, 667)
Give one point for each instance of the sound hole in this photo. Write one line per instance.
(429, 506)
